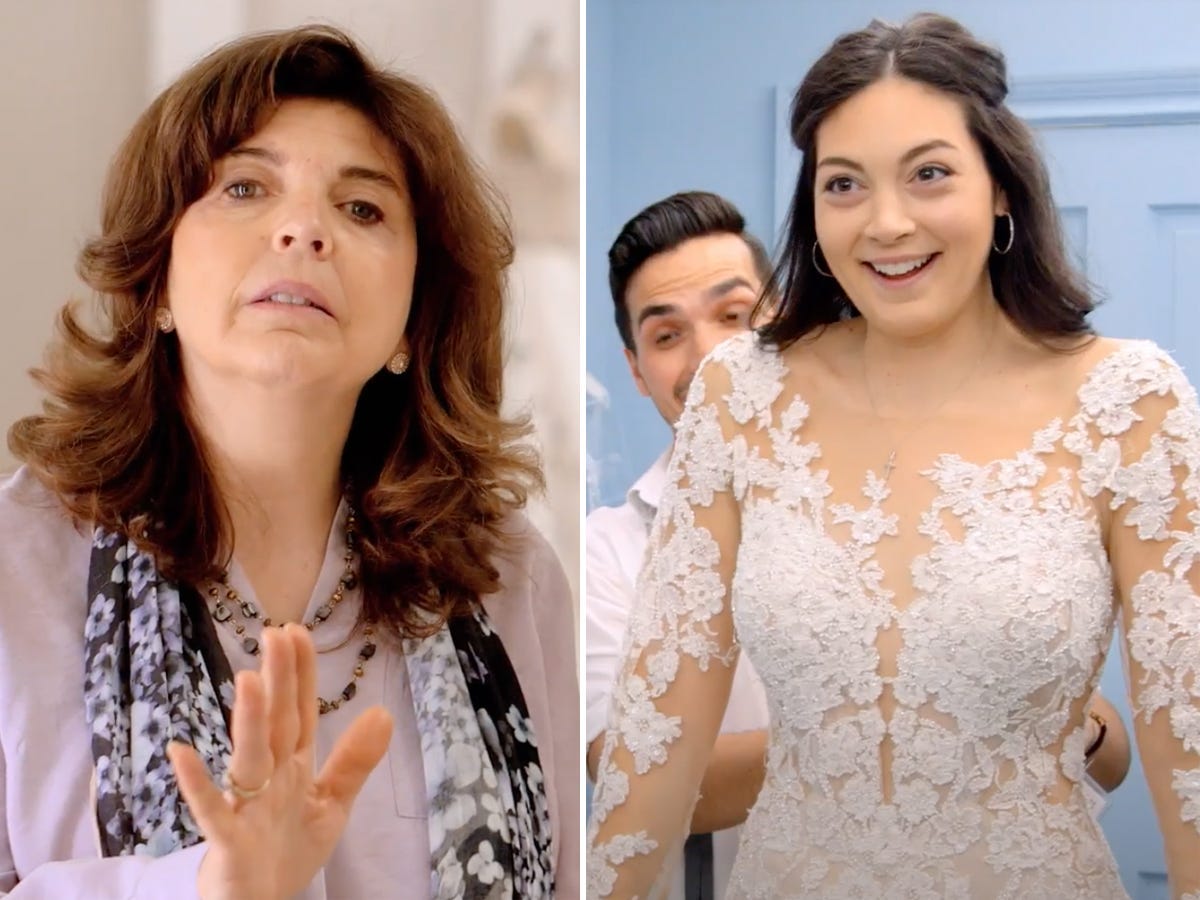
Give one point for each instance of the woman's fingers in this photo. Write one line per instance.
(356, 753)
(306, 684)
(274, 716)
(279, 679)
(203, 798)
(252, 762)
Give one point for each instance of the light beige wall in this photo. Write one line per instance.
(73, 85)
(441, 44)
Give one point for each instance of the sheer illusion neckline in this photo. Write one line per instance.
(1041, 442)
(858, 524)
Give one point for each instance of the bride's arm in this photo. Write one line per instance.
(671, 694)
(1147, 456)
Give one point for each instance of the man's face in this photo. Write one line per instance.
(683, 303)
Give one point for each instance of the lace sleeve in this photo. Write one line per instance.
(674, 683)
(1145, 457)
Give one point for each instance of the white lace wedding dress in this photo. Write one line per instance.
(927, 666)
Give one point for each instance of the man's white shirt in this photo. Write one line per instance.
(615, 542)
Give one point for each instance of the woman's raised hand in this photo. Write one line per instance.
(276, 824)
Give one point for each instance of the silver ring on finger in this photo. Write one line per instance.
(244, 793)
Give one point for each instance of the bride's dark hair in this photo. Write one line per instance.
(1034, 282)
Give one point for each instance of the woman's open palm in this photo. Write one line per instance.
(272, 844)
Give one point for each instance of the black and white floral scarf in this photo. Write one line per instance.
(155, 672)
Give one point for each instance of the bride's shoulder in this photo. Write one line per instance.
(1107, 361)
(742, 376)
(1129, 386)
(739, 360)
(744, 349)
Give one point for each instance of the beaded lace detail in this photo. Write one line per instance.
(925, 737)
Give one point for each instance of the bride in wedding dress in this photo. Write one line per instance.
(920, 498)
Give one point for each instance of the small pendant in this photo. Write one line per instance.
(889, 466)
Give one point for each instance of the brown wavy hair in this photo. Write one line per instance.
(430, 465)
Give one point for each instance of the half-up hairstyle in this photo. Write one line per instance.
(1034, 282)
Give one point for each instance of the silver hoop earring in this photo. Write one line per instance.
(1012, 233)
(164, 320)
(817, 265)
(398, 364)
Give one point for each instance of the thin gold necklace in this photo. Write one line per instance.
(896, 445)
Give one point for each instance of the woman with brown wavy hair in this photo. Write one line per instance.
(288, 417)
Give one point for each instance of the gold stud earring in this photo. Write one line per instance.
(164, 320)
(398, 364)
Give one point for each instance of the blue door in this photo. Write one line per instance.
(1124, 156)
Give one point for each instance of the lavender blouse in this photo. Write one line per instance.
(48, 846)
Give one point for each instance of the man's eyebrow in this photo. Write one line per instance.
(656, 309)
(721, 288)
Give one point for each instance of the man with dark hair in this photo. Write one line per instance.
(685, 275)
(664, 226)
